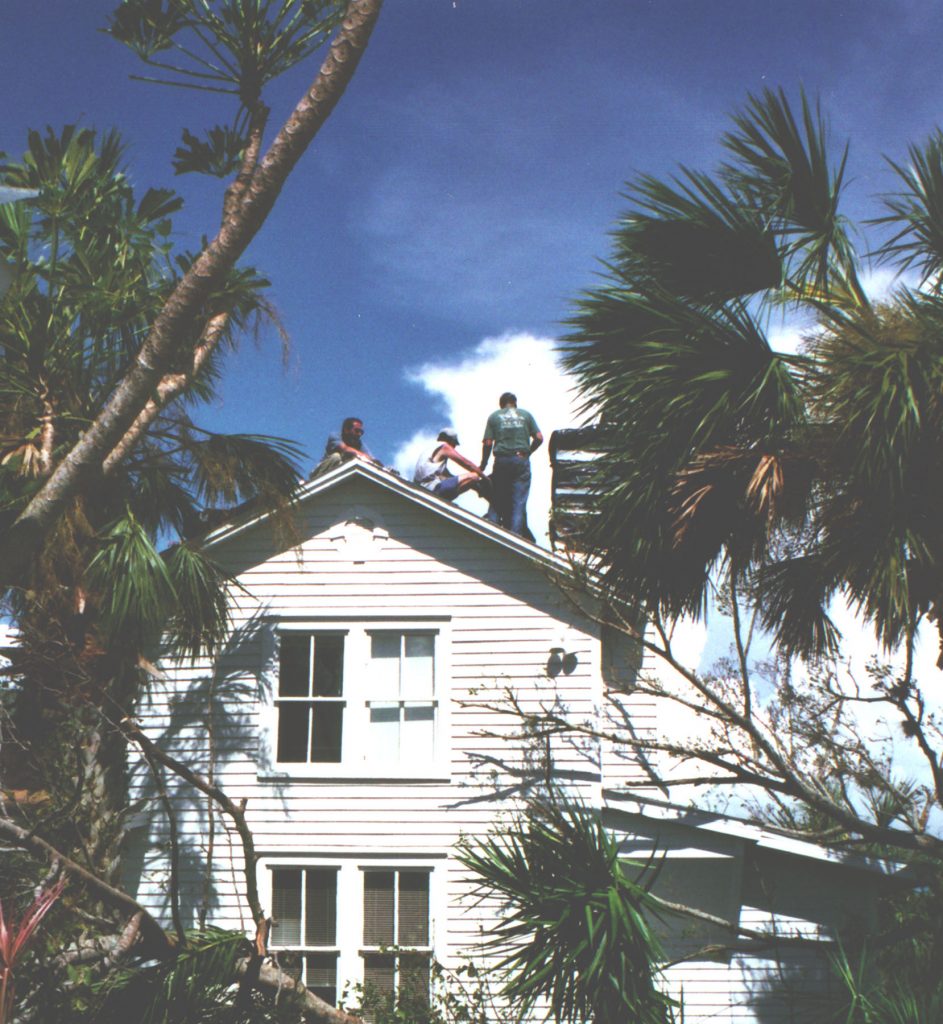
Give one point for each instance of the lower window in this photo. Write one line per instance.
(355, 923)
(396, 939)
(304, 909)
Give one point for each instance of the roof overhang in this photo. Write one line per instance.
(652, 812)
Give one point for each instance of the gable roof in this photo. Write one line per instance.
(419, 496)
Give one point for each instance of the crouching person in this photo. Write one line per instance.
(343, 447)
(432, 471)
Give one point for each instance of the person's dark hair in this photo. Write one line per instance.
(508, 398)
(349, 422)
(448, 435)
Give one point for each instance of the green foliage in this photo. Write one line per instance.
(460, 995)
(894, 977)
(574, 931)
(873, 995)
(129, 571)
(219, 155)
(92, 271)
(801, 475)
(197, 987)
(916, 212)
(228, 46)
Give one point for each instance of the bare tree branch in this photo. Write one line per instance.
(235, 811)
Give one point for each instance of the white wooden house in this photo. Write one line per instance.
(357, 710)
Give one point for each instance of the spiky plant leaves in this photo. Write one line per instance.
(691, 238)
(783, 170)
(916, 212)
(132, 576)
(201, 619)
(234, 46)
(721, 454)
(219, 154)
(147, 26)
(229, 468)
(576, 931)
(197, 987)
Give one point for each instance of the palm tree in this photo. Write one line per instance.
(92, 266)
(577, 933)
(799, 476)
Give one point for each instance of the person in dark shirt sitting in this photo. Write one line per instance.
(343, 447)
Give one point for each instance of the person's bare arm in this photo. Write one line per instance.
(350, 452)
(456, 456)
(486, 447)
(536, 441)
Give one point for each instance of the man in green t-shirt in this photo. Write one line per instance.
(512, 435)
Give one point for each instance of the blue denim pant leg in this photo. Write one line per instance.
(511, 487)
(520, 490)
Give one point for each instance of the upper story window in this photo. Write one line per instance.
(357, 699)
(310, 702)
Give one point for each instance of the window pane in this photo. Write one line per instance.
(383, 742)
(326, 731)
(384, 663)
(414, 977)
(293, 665)
(321, 907)
(321, 975)
(293, 732)
(286, 906)
(378, 975)
(418, 666)
(413, 908)
(328, 666)
(418, 741)
(378, 908)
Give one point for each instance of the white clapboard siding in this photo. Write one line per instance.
(365, 549)
(504, 615)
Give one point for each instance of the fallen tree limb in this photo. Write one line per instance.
(151, 931)
(314, 1008)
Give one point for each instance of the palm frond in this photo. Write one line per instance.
(197, 987)
(576, 930)
(230, 468)
(916, 212)
(136, 591)
(783, 169)
(200, 620)
(692, 238)
(793, 595)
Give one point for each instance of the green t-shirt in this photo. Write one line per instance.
(511, 430)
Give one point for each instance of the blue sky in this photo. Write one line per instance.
(428, 247)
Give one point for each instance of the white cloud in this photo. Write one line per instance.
(467, 388)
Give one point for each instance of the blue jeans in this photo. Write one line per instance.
(510, 481)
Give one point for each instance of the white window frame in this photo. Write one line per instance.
(349, 946)
(355, 763)
(396, 950)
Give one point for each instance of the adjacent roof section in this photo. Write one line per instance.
(764, 837)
